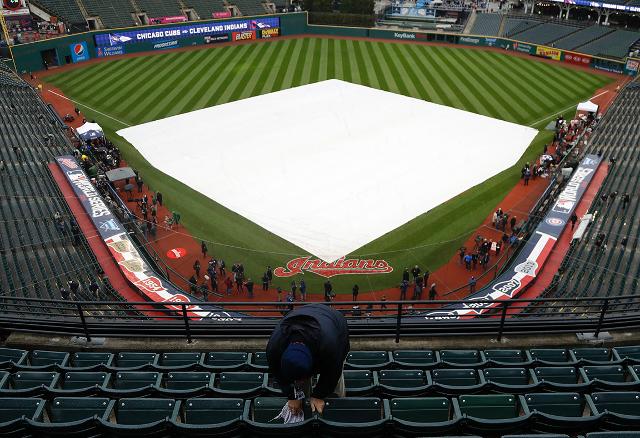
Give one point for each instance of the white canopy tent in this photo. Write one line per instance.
(588, 107)
(89, 131)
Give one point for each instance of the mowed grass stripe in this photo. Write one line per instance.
(506, 106)
(78, 78)
(408, 70)
(315, 65)
(268, 85)
(324, 59)
(349, 54)
(289, 75)
(261, 76)
(423, 74)
(389, 77)
(345, 61)
(229, 78)
(221, 55)
(566, 81)
(305, 77)
(337, 59)
(362, 72)
(257, 73)
(283, 66)
(440, 78)
(331, 64)
(375, 71)
(250, 66)
(300, 64)
(241, 72)
(398, 74)
(546, 84)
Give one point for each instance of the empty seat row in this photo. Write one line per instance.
(369, 360)
(481, 414)
(391, 382)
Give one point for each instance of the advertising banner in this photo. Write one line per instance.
(167, 20)
(522, 47)
(632, 66)
(270, 33)
(79, 52)
(471, 41)
(226, 14)
(103, 52)
(549, 52)
(532, 257)
(577, 59)
(122, 248)
(161, 34)
(243, 36)
(216, 39)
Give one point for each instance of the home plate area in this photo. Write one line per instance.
(330, 166)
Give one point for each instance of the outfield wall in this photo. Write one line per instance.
(78, 48)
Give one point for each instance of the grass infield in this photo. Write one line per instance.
(131, 91)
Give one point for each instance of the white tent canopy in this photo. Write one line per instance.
(588, 106)
(90, 131)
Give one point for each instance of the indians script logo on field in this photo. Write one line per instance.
(339, 267)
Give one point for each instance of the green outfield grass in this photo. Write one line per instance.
(137, 90)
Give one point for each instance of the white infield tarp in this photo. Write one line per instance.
(330, 166)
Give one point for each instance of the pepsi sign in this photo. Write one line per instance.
(79, 52)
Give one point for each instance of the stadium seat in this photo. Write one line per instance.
(455, 380)
(175, 361)
(557, 375)
(41, 358)
(414, 358)
(135, 360)
(360, 382)
(508, 376)
(16, 408)
(212, 410)
(509, 357)
(403, 382)
(138, 411)
(4, 376)
(621, 409)
(10, 356)
(416, 416)
(351, 415)
(132, 380)
(462, 357)
(25, 380)
(225, 360)
(243, 384)
(91, 360)
(610, 376)
(188, 380)
(631, 354)
(551, 356)
(493, 413)
(258, 361)
(70, 409)
(368, 360)
(259, 415)
(594, 356)
(84, 380)
(559, 411)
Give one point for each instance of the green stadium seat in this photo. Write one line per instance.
(551, 356)
(414, 358)
(463, 378)
(11, 356)
(175, 361)
(493, 413)
(403, 382)
(258, 361)
(210, 411)
(260, 412)
(621, 409)
(41, 358)
(360, 382)
(84, 380)
(512, 377)
(135, 360)
(130, 380)
(418, 416)
(138, 411)
(188, 380)
(631, 354)
(70, 409)
(369, 360)
(509, 357)
(4, 376)
(226, 360)
(462, 357)
(23, 380)
(557, 375)
(352, 415)
(598, 355)
(241, 383)
(611, 375)
(560, 411)
(91, 360)
(12, 409)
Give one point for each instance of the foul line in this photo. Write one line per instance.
(563, 110)
(88, 107)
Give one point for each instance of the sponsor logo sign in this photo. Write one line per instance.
(167, 20)
(577, 59)
(165, 45)
(633, 65)
(226, 14)
(243, 36)
(341, 266)
(408, 35)
(110, 51)
(79, 52)
(533, 255)
(548, 52)
(132, 265)
(524, 48)
(270, 33)
(161, 34)
(471, 41)
(216, 38)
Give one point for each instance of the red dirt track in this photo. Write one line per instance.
(447, 278)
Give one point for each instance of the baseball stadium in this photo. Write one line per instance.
(259, 218)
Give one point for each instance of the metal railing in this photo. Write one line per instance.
(256, 319)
